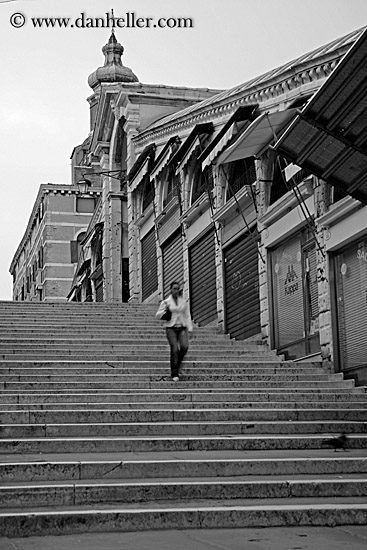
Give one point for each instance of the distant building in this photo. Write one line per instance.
(44, 264)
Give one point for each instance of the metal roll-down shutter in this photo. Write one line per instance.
(242, 301)
(203, 288)
(351, 287)
(149, 265)
(172, 254)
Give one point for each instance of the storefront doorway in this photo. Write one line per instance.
(295, 312)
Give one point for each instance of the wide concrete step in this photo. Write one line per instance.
(99, 330)
(172, 443)
(82, 319)
(60, 309)
(53, 416)
(186, 515)
(130, 347)
(74, 305)
(328, 405)
(115, 335)
(224, 367)
(149, 397)
(124, 339)
(108, 416)
(11, 374)
(264, 464)
(131, 355)
(162, 391)
(112, 357)
(133, 323)
(163, 490)
(88, 385)
(122, 345)
(77, 306)
(146, 377)
(146, 429)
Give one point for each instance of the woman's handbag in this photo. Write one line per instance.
(166, 315)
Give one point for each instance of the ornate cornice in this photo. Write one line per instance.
(280, 88)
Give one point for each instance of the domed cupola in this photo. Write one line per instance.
(113, 69)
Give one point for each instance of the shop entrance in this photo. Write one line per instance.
(295, 311)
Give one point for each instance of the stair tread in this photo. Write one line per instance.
(327, 503)
(194, 455)
(190, 437)
(186, 480)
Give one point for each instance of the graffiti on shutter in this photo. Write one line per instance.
(242, 301)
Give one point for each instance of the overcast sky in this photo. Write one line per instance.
(44, 71)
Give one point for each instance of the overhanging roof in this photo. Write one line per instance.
(329, 136)
(257, 137)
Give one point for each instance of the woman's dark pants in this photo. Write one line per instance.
(179, 343)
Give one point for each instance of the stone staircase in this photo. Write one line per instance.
(96, 437)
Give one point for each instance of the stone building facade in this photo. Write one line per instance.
(245, 230)
(44, 264)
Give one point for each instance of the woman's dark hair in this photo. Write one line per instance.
(174, 283)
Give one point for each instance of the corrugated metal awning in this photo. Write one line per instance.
(237, 122)
(139, 175)
(141, 166)
(191, 144)
(164, 157)
(256, 137)
(329, 136)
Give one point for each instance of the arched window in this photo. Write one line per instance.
(241, 173)
(148, 192)
(280, 186)
(202, 182)
(171, 186)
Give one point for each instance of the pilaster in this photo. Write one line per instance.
(264, 169)
(321, 194)
(131, 129)
(219, 199)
